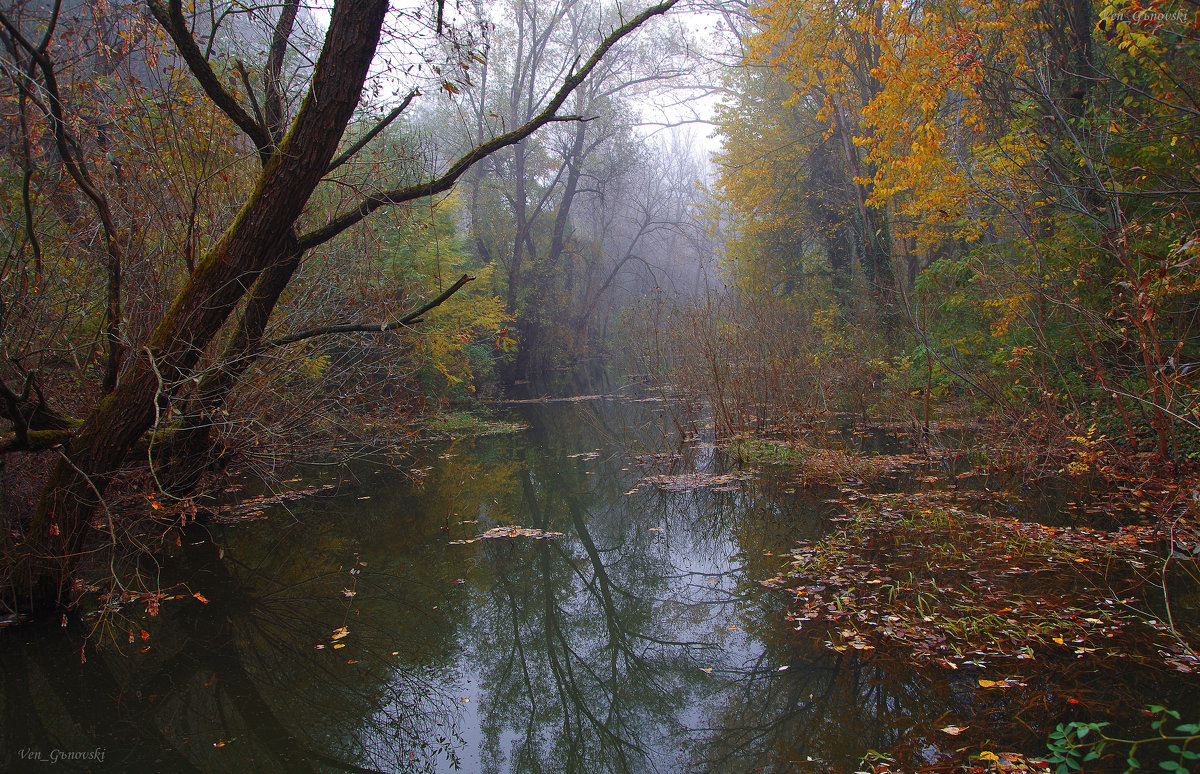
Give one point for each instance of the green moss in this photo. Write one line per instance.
(460, 424)
(758, 451)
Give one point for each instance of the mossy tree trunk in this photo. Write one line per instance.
(260, 234)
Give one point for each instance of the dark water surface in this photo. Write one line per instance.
(638, 640)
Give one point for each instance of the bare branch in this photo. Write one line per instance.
(173, 23)
(76, 166)
(375, 130)
(372, 327)
(445, 181)
(274, 89)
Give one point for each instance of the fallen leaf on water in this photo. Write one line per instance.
(656, 529)
(1057, 640)
(987, 684)
(348, 593)
(339, 645)
(706, 669)
(509, 532)
(339, 633)
(203, 599)
(953, 730)
(987, 755)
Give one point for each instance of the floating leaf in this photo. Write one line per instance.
(509, 532)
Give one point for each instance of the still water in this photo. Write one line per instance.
(349, 632)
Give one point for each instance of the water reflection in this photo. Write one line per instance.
(639, 640)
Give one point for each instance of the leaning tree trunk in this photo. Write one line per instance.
(257, 236)
(188, 451)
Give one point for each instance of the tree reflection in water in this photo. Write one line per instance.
(639, 640)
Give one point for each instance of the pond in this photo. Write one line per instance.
(368, 629)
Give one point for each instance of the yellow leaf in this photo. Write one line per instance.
(987, 755)
(987, 683)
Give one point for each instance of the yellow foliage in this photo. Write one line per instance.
(468, 316)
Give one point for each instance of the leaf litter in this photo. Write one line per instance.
(513, 531)
(943, 586)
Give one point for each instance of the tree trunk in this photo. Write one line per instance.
(259, 234)
(189, 452)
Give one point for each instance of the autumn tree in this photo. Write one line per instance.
(1025, 163)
